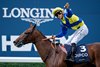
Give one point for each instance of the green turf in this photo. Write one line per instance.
(22, 65)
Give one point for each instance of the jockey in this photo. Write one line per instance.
(70, 21)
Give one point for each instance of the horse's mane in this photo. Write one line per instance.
(43, 35)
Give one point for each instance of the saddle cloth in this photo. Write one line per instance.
(81, 54)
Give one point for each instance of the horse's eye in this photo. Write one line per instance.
(27, 32)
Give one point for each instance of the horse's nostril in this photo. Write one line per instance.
(14, 42)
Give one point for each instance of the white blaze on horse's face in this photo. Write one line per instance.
(24, 38)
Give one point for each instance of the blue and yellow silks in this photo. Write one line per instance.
(70, 21)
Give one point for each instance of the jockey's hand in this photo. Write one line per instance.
(52, 37)
(66, 5)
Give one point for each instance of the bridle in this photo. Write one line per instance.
(21, 42)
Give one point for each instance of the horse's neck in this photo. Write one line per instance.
(42, 46)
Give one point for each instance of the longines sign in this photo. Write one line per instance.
(35, 15)
(28, 12)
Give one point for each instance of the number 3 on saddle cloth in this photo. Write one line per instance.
(81, 55)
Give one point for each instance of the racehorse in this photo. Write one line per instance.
(54, 56)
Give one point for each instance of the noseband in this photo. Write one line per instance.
(26, 35)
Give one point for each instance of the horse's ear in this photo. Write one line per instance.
(31, 25)
(35, 26)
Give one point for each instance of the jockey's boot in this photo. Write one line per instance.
(72, 52)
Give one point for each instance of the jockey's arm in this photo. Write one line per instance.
(69, 11)
(62, 33)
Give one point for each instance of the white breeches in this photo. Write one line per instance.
(77, 35)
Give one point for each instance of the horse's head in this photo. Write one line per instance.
(25, 37)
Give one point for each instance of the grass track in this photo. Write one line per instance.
(22, 65)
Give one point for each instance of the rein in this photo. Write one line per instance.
(44, 60)
(44, 40)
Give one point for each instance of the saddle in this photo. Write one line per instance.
(81, 54)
